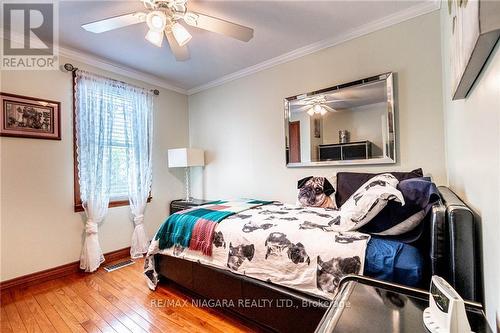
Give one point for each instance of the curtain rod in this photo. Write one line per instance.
(70, 68)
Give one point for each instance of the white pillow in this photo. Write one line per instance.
(370, 199)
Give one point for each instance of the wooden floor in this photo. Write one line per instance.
(118, 301)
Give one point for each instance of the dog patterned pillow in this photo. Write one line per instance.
(370, 199)
(315, 192)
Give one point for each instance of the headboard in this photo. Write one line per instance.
(454, 246)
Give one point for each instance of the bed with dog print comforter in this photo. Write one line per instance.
(304, 248)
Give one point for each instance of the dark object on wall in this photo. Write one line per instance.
(294, 141)
(345, 151)
(29, 117)
(475, 31)
(449, 246)
(343, 136)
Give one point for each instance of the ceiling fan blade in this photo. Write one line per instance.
(329, 108)
(302, 108)
(115, 22)
(181, 53)
(219, 26)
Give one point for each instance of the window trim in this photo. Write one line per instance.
(78, 205)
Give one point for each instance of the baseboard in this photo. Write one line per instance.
(57, 272)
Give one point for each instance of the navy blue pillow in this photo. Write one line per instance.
(419, 194)
(350, 182)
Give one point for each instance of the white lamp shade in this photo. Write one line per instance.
(185, 157)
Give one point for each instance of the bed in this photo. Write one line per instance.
(447, 247)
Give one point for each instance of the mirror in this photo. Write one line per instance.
(348, 124)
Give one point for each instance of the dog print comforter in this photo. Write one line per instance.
(305, 248)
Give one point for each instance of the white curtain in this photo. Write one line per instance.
(94, 121)
(139, 132)
(99, 103)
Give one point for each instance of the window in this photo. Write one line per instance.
(120, 145)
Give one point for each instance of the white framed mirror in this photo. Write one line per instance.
(347, 124)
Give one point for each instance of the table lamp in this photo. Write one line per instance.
(186, 158)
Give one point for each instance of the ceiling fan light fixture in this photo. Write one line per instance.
(317, 108)
(155, 37)
(181, 35)
(156, 20)
(311, 112)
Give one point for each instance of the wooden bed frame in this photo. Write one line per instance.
(449, 245)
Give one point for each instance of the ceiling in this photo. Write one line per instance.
(280, 27)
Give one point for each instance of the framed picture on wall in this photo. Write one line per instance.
(29, 117)
(475, 29)
(317, 128)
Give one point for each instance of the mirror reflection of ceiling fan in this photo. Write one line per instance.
(163, 18)
(318, 105)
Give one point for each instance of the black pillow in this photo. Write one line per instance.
(419, 194)
(349, 182)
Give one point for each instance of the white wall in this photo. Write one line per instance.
(363, 123)
(472, 127)
(39, 229)
(240, 124)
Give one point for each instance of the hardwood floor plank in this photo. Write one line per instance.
(15, 319)
(201, 317)
(123, 317)
(26, 315)
(87, 309)
(102, 302)
(5, 324)
(51, 313)
(179, 314)
(91, 327)
(99, 308)
(117, 301)
(80, 316)
(39, 314)
(141, 305)
(83, 287)
(211, 315)
(68, 318)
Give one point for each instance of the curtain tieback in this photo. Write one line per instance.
(138, 220)
(91, 227)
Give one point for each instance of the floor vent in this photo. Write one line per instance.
(119, 265)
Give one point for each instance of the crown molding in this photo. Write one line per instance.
(407, 14)
(108, 65)
(116, 68)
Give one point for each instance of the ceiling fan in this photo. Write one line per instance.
(163, 16)
(317, 104)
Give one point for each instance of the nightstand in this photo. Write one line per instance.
(181, 204)
(368, 305)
